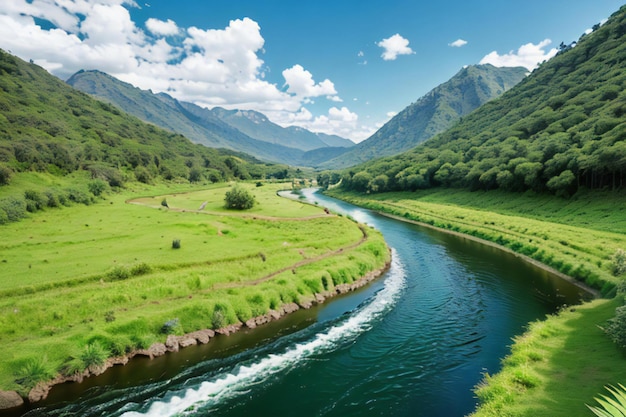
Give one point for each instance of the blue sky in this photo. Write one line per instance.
(341, 66)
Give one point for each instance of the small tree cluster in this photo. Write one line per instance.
(619, 262)
(238, 198)
(616, 328)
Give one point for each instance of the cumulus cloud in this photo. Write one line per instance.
(458, 43)
(300, 82)
(159, 27)
(394, 46)
(528, 55)
(208, 67)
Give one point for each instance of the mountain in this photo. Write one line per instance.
(561, 129)
(258, 126)
(48, 126)
(244, 131)
(439, 109)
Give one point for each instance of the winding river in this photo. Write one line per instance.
(414, 343)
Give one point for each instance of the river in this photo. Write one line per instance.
(413, 343)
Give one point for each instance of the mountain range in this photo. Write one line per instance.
(244, 131)
(253, 133)
(433, 113)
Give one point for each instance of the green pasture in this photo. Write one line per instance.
(84, 282)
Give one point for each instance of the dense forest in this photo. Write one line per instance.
(560, 129)
(48, 127)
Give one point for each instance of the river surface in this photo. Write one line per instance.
(414, 343)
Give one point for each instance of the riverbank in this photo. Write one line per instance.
(173, 343)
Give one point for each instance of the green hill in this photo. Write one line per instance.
(433, 113)
(50, 128)
(560, 129)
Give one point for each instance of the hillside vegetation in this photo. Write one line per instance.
(435, 112)
(560, 129)
(50, 128)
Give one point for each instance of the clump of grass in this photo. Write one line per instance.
(140, 269)
(176, 244)
(94, 354)
(34, 370)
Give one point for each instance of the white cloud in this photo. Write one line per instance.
(528, 55)
(394, 46)
(458, 43)
(300, 82)
(159, 27)
(209, 67)
(390, 114)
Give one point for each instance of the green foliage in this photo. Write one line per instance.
(618, 260)
(616, 327)
(176, 244)
(97, 187)
(238, 198)
(611, 406)
(6, 174)
(14, 209)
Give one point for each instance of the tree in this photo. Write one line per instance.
(238, 198)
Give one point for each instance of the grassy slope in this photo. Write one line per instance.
(561, 363)
(107, 273)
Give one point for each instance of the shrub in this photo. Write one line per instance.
(35, 201)
(5, 175)
(143, 175)
(164, 203)
(97, 187)
(238, 198)
(78, 196)
(118, 273)
(14, 208)
(140, 269)
(619, 262)
(616, 327)
(176, 244)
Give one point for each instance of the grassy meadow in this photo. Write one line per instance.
(81, 283)
(576, 237)
(562, 363)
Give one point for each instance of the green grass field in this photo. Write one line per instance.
(576, 237)
(563, 362)
(103, 279)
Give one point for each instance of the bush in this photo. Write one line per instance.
(118, 273)
(619, 262)
(5, 175)
(143, 175)
(35, 201)
(14, 208)
(97, 187)
(616, 328)
(238, 198)
(176, 244)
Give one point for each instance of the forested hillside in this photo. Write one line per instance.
(48, 127)
(562, 128)
(433, 113)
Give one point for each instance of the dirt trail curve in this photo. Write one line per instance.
(265, 278)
